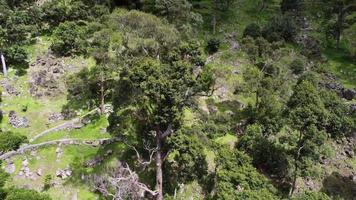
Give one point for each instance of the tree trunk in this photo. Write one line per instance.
(296, 167)
(159, 174)
(214, 24)
(4, 69)
(102, 94)
(263, 6)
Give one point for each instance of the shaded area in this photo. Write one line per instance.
(338, 186)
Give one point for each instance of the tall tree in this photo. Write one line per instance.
(308, 117)
(149, 103)
(336, 12)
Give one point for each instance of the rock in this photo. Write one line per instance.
(39, 172)
(353, 108)
(10, 168)
(108, 153)
(58, 150)
(63, 173)
(33, 153)
(349, 94)
(93, 162)
(25, 163)
(53, 117)
(16, 121)
(103, 130)
(45, 76)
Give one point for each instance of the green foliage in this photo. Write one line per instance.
(297, 66)
(265, 151)
(350, 35)
(213, 45)
(340, 123)
(11, 141)
(306, 108)
(47, 182)
(281, 27)
(253, 30)
(69, 39)
(235, 174)
(311, 48)
(24, 194)
(188, 160)
(291, 5)
(178, 12)
(309, 195)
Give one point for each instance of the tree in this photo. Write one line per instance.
(178, 12)
(308, 116)
(253, 30)
(69, 39)
(336, 12)
(297, 66)
(350, 35)
(152, 95)
(236, 178)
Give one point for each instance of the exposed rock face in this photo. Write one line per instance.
(16, 121)
(64, 173)
(8, 88)
(332, 84)
(10, 167)
(45, 76)
(349, 94)
(53, 117)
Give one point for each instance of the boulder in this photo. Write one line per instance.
(16, 121)
(349, 94)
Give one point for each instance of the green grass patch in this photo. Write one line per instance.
(342, 66)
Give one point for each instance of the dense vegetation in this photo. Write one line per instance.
(240, 102)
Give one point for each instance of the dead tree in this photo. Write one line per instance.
(121, 183)
(4, 69)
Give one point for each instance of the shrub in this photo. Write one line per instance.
(213, 45)
(253, 30)
(47, 182)
(24, 194)
(69, 39)
(10, 141)
(311, 48)
(297, 66)
(280, 27)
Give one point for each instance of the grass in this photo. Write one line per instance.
(89, 132)
(49, 164)
(342, 66)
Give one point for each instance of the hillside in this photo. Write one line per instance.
(185, 99)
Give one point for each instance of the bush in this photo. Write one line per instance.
(10, 141)
(69, 39)
(309, 195)
(311, 48)
(47, 182)
(297, 66)
(213, 46)
(24, 194)
(253, 30)
(279, 28)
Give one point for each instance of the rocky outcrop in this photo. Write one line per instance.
(45, 76)
(64, 173)
(331, 83)
(16, 121)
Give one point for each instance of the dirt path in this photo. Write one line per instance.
(65, 125)
(23, 149)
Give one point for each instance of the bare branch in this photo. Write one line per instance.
(121, 183)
